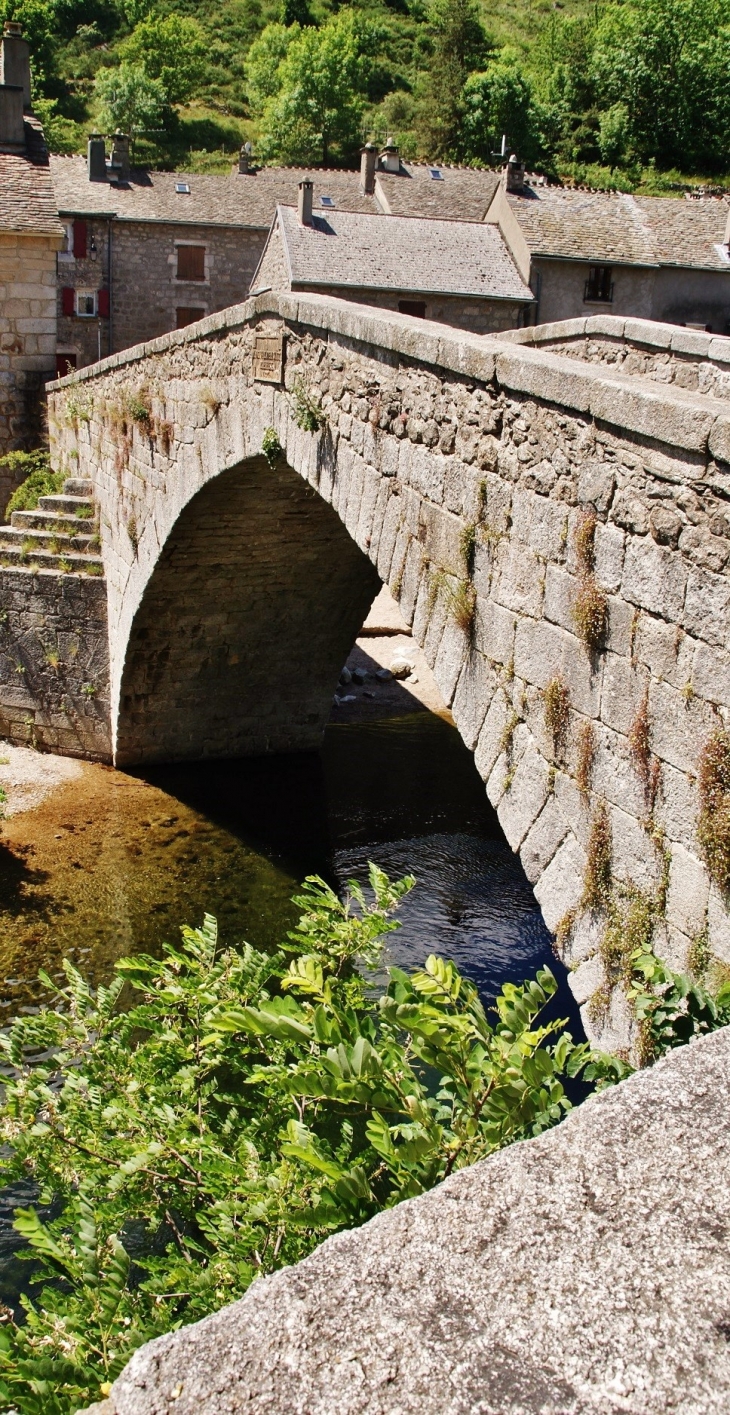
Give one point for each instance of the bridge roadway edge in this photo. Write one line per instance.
(430, 433)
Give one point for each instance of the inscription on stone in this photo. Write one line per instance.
(268, 357)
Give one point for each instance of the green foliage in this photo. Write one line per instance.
(672, 1008)
(308, 412)
(171, 49)
(315, 109)
(40, 480)
(129, 101)
(271, 446)
(501, 101)
(234, 1111)
(713, 826)
(459, 46)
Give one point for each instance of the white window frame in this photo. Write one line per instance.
(86, 294)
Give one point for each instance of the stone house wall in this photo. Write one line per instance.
(678, 296)
(145, 292)
(27, 335)
(465, 469)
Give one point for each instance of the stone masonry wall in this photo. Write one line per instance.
(467, 471)
(27, 334)
(54, 679)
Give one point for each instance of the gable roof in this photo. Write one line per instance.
(618, 229)
(27, 202)
(399, 253)
(238, 199)
(461, 193)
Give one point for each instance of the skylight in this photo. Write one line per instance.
(183, 188)
(326, 201)
(436, 174)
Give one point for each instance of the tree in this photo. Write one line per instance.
(170, 48)
(129, 101)
(262, 64)
(321, 85)
(460, 46)
(500, 101)
(668, 63)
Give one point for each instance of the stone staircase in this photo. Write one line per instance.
(62, 534)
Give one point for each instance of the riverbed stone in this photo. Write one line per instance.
(580, 1273)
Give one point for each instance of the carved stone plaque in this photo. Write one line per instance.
(268, 357)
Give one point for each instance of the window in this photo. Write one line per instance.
(599, 285)
(187, 314)
(79, 239)
(435, 174)
(67, 249)
(191, 262)
(182, 188)
(415, 307)
(326, 201)
(86, 303)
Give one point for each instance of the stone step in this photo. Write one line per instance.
(20, 538)
(69, 563)
(33, 522)
(78, 486)
(69, 504)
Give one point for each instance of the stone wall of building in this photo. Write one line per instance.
(145, 294)
(27, 334)
(54, 662)
(493, 487)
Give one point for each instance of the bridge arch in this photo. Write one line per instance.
(459, 471)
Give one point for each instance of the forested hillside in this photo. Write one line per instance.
(624, 94)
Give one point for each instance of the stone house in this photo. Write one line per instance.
(581, 252)
(30, 235)
(460, 273)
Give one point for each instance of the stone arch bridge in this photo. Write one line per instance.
(549, 508)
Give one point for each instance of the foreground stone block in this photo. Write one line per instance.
(583, 1273)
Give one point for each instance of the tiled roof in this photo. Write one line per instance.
(461, 194)
(217, 200)
(615, 228)
(347, 249)
(27, 202)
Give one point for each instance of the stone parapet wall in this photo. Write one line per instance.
(54, 679)
(466, 470)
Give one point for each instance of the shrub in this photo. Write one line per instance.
(271, 446)
(713, 827)
(236, 1110)
(308, 412)
(40, 481)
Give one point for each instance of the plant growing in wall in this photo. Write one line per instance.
(308, 412)
(646, 765)
(556, 706)
(713, 826)
(597, 877)
(585, 758)
(271, 446)
(590, 608)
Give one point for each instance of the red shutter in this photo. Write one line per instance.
(103, 303)
(68, 300)
(80, 240)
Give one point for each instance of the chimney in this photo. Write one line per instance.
(96, 158)
(243, 161)
(390, 158)
(515, 175)
(16, 61)
(120, 156)
(305, 202)
(12, 129)
(368, 157)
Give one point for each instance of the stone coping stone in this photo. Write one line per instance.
(585, 1272)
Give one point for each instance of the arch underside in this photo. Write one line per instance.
(252, 609)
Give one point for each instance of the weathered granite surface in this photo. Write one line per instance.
(586, 1272)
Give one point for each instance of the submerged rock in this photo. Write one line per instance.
(586, 1272)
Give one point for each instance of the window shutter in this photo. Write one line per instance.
(80, 240)
(68, 300)
(102, 304)
(191, 262)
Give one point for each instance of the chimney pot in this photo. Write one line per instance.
(306, 189)
(96, 158)
(16, 61)
(368, 158)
